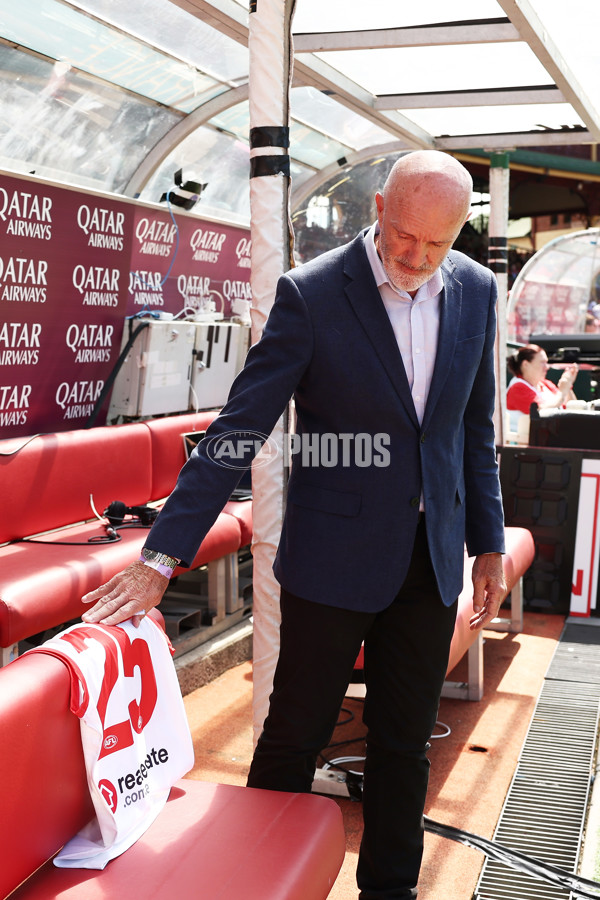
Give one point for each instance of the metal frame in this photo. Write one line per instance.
(388, 112)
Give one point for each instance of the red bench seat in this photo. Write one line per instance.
(41, 585)
(520, 552)
(48, 489)
(216, 841)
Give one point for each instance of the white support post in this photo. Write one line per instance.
(472, 689)
(269, 44)
(498, 263)
(233, 599)
(218, 585)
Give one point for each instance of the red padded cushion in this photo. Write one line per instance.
(45, 799)
(218, 841)
(520, 552)
(41, 585)
(48, 482)
(168, 454)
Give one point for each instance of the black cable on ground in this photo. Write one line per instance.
(581, 887)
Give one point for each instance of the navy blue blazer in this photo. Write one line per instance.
(348, 529)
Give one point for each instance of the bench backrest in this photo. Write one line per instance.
(44, 795)
(48, 483)
(168, 454)
(43, 792)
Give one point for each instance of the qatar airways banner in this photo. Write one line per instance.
(73, 266)
(184, 263)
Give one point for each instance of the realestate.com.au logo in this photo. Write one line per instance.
(235, 449)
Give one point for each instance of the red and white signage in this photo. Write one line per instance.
(587, 541)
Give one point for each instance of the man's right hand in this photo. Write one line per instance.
(128, 595)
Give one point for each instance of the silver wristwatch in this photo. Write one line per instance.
(160, 559)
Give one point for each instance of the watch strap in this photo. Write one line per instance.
(161, 562)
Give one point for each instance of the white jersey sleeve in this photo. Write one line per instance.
(134, 731)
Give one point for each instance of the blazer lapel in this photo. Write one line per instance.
(364, 297)
(450, 312)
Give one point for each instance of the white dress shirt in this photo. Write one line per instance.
(415, 321)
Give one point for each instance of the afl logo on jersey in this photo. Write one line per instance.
(109, 794)
(110, 741)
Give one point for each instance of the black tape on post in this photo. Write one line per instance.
(498, 254)
(270, 136)
(269, 165)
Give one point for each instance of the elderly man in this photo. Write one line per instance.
(387, 340)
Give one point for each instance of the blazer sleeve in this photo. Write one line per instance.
(484, 510)
(258, 397)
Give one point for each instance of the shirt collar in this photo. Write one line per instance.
(430, 289)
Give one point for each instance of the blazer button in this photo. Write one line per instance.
(423, 438)
(414, 501)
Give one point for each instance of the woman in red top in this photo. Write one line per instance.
(529, 366)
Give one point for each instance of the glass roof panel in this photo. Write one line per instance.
(313, 148)
(67, 126)
(316, 16)
(222, 162)
(576, 37)
(235, 120)
(494, 119)
(448, 68)
(118, 59)
(170, 28)
(60, 32)
(309, 147)
(218, 160)
(323, 113)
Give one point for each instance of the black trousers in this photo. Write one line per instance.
(406, 650)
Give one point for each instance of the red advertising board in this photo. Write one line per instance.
(182, 262)
(73, 266)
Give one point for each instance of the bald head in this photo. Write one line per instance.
(424, 204)
(430, 173)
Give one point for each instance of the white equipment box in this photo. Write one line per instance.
(155, 377)
(219, 354)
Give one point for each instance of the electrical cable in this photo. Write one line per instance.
(445, 733)
(115, 371)
(186, 311)
(580, 887)
(20, 447)
(107, 538)
(349, 717)
(176, 250)
(337, 763)
(145, 284)
(515, 860)
(111, 536)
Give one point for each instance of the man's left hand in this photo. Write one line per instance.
(489, 589)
